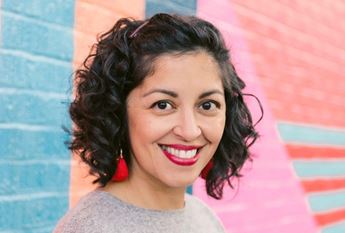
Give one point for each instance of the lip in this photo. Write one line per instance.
(181, 161)
(182, 147)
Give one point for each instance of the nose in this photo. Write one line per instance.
(187, 127)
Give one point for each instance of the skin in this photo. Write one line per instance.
(167, 109)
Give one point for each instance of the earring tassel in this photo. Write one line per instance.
(121, 172)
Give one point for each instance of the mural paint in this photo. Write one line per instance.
(35, 65)
(318, 157)
(296, 49)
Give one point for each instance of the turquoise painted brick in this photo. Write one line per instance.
(32, 212)
(26, 144)
(29, 109)
(187, 7)
(43, 229)
(47, 229)
(33, 37)
(35, 82)
(25, 177)
(334, 228)
(310, 169)
(58, 11)
(190, 4)
(327, 201)
(189, 189)
(34, 73)
(292, 133)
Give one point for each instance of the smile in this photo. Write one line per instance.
(181, 155)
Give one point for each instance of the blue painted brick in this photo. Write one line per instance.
(327, 201)
(33, 37)
(37, 74)
(338, 227)
(25, 144)
(27, 214)
(319, 168)
(29, 109)
(48, 229)
(30, 177)
(57, 11)
(305, 134)
(187, 7)
(190, 4)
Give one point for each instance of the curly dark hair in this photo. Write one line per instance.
(120, 61)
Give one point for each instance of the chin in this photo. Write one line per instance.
(180, 182)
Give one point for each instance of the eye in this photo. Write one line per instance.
(209, 105)
(162, 105)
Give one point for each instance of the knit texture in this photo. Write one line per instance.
(101, 212)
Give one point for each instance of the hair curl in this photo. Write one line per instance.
(120, 61)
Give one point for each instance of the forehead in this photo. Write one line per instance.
(188, 70)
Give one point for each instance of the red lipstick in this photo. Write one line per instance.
(182, 147)
(182, 161)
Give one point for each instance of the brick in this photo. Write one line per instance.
(25, 144)
(337, 227)
(24, 34)
(280, 14)
(26, 177)
(127, 8)
(319, 168)
(171, 6)
(104, 18)
(20, 70)
(59, 12)
(327, 201)
(31, 109)
(30, 213)
(308, 59)
(310, 134)
(45, 229)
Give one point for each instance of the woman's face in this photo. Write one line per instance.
(176, 119)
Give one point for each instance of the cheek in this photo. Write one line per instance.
(144, 127)
(213, 129)
(135, 126)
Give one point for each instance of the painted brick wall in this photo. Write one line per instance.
(35, 66)
(297, 50)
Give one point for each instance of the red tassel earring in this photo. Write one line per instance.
(206, 170)
(121, 172)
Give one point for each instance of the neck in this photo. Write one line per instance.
(149, 195)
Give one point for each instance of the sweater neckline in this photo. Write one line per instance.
(134, 207)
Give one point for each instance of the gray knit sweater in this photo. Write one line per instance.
(101, 212)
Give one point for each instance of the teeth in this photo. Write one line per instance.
(184, 154)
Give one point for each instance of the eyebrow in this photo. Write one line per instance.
(174, 94)
(167, 92)
(211, 92)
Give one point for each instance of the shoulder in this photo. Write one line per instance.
(206, 216)
(87, 216)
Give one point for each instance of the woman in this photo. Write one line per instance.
(157, 104)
